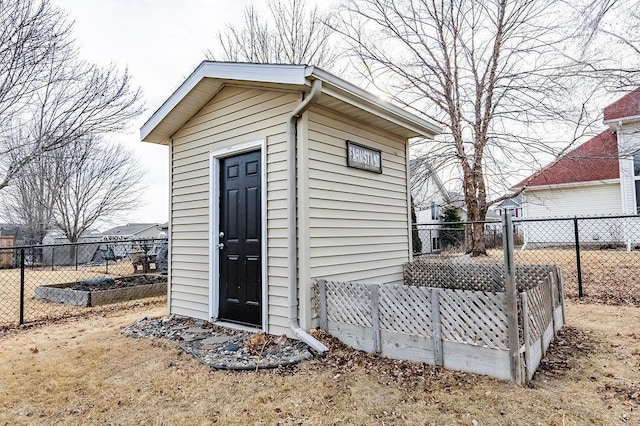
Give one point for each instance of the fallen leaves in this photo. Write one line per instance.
(570, 344)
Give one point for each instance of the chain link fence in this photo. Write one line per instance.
(599, 256)
(54, 281)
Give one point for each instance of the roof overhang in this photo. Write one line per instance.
(570, 185)
(616, 123)
(210, 77)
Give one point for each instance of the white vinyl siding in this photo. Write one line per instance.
(234, 116)
(356, 221)
(587, 200)
(590, 200)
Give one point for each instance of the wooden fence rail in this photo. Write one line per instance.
(457, 328)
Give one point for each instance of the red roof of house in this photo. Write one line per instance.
(594, 160)
(626, 106)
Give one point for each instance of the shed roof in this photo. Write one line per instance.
(337, 94)
(594, 160)
(627, 108)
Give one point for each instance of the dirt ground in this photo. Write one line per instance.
(82, 371)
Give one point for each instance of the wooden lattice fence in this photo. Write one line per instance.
(449, 316)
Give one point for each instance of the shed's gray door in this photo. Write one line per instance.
(240, 229)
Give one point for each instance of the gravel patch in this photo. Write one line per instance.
(222, 348)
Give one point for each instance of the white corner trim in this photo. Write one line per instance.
(408, 177)
(214, 223)
(170, 230)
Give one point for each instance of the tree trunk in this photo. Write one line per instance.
(474, 232)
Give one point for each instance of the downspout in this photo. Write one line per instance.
(292, 121)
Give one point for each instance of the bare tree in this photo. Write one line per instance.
(294, 35)
(60, 98)
(498, 75)
(610, 24)
(30, 31)
(30, 200)
(100, 181)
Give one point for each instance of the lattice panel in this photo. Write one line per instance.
(529, 276)
(349, 303)
(474, 317)
(463, 276)
(547, 303)
(472, 276)
(535, 303)
(405, 309)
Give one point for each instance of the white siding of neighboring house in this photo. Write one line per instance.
(235, 115)
(595, 199)
(429, 224)
(354, 224)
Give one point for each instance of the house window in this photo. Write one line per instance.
(435, 212)
(636, 179)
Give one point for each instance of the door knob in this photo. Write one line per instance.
(220, 246)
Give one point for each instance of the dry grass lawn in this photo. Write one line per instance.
(608, 276)
(82, 371)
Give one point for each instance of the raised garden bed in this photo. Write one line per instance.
(102, 291)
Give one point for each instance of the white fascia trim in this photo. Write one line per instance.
(214, 223)
(267, 73)
(292, 75)
(360, 97)
(617, 122)
(572, 184)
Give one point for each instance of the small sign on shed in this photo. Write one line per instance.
(364, 157)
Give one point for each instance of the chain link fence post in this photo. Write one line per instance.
(576, 233)
(21, 319)
(511, 297)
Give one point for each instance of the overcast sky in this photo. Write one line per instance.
(161, 42)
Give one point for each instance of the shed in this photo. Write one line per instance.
(6, 255)
(281, 174)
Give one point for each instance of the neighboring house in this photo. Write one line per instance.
(130, 231)
(281, 175)
(599, 177)
(513, 206)
(430, 197)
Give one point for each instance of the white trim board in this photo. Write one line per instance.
(214, 223)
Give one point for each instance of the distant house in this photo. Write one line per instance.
(132, 231)
(513, 206)
(430, 198)
(599, 177)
